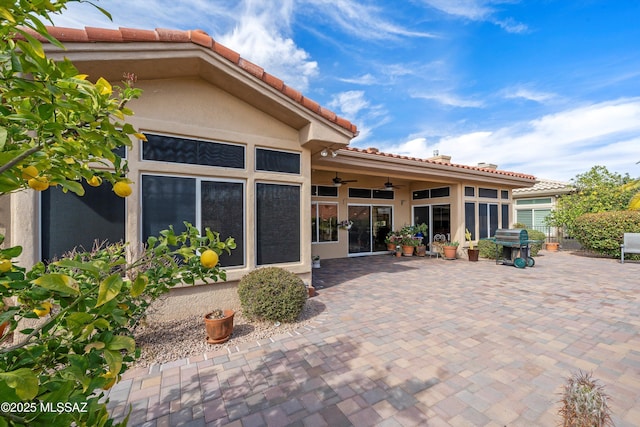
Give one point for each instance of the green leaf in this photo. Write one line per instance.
(85, 266)
(24, 381)
(114, 360)
(139, 285)
(11, 252)
(121, 342)
(109, 289)
(73, 186)
(58, 283)
(3, 137)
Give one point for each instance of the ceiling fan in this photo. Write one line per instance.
(389, 185)
(337, 181)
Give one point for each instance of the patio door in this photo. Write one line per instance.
(370, 226)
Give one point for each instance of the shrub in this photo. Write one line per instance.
(272, 293)
(602, 232)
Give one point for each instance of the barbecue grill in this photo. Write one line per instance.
(516, 247)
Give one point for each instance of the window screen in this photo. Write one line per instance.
(167, 201)
(440, 192)
(505, 215)
(469, 191)
(70, 221)
(470, 218)
(360, 193)
(277, 161)
(420, 194)
(193, 152)
(383, 194)
(488, 193)
(222, 210)
(326, 191)
(277, 223)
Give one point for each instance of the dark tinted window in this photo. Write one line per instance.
(360, 193)
(277, 161)
(327, 191)
(193, 152)
(70, 221)
(421, 194)
(440, 192)
(383, 194)
(277, 223)
(504, 194)
(488, 193)
(167, 201)
(470, 218)
(222, 210)
(469, 191)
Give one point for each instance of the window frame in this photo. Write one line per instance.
(277, 150)
(315, 204)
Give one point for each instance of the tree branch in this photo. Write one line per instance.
(20, 158)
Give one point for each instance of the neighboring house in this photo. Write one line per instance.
(532, 205)
(233, 148)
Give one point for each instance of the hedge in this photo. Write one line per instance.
(603, 232)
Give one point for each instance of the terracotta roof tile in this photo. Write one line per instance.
(95, 34)
(375, 152)
(201, 38)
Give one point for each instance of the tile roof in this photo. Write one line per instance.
(200, 38)
(376, 152)
(545, 186)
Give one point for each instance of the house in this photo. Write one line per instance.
(533, 204)
(234, 148)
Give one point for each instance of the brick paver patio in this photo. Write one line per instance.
(418, 341)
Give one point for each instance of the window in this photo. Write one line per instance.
(431, 193)
(168, 200)
(383, 194)
(440, 192)
(470, 219)
(70, 221)
(193, 152)
(277, 223)
(420, 194)
(533, 218)
(505, 215)
(324, 191)
(324, 222)
(488, 219)
(504, 194)
(469, 191)
(488, 193)
(277, 161)
(542, 201)
(360, 193)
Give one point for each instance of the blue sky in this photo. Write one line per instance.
(544, 87)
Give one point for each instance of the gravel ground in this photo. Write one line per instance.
(166, 341)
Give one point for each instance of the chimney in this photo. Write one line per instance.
(441, 158)
(487, 166)
(372, 150)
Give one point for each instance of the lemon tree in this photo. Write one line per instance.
(55, 125)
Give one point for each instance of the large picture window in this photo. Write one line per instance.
(168, 200)
(70, 221)
(277, 223)
(324, 222)
(488, 219)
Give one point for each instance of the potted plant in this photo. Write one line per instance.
(219, 325)
(450, 249)
(420, 233)
(409, 244)
(345, 225)
(316, 261)
(471, 252)
(392, 240)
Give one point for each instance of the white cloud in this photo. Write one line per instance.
(365, 79)
(354, 106)
(478, 10)
(449, 100)
(360, 20)
(528, 94)
(555, 146)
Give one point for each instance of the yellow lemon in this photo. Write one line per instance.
(122, 189)
(112, 380)
(95, 181)
(5, 265)
(39, 183)
(44, 309)
(209, 259)
(29, 172)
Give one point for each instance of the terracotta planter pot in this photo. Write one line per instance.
(391, 247)
(312, 291)
(449, 252)
(552, 246)
(407, 250)
(473, 254)
(421, 250)
(398, 254)
(219, 330)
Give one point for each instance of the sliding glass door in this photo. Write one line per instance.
(370, 227)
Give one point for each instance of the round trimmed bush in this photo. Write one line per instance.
(272, 293)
